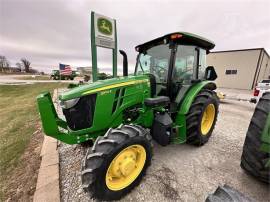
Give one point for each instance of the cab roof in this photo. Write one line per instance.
(185, 38)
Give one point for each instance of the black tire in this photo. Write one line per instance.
(228, 194)
(253, 160)
(105, 149)
(195, 114)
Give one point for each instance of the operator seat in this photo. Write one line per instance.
(160, 101)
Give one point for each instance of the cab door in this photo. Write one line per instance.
(185, 70)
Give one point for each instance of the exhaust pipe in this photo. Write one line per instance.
(125, 62)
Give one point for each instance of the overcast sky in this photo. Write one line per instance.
(53, 31)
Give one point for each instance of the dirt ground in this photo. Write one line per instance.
(21, 184)
(183, 172)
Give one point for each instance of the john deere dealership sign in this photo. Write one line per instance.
(104, 31)
(103, 34)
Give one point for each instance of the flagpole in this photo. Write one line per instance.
(60, 72)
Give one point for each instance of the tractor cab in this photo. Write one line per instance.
(174, 62)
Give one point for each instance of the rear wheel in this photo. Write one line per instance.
(117, 162)
(201, 118)
(253, 160)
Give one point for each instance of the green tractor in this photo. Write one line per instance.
(170, 98)
(255, 158)
(55, 75)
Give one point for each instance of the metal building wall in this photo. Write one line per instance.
(245, 62)
(263, 68)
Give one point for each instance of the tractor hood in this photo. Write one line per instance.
(102, 85)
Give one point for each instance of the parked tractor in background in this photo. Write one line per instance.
(55, 75)
(170, 98)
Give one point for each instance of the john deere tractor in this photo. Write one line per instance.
(170, 98)
(255, 158)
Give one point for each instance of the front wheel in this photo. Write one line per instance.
(117, 162)
(201, 118)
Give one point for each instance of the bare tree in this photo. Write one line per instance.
(19, 65)
(3, 62)
(26, 64)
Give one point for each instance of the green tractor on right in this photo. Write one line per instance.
(255, 158)
(256, 150)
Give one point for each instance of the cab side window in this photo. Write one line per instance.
(202, 64)
(144, 64)
(185, 64)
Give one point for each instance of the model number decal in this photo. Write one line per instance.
(105, 92)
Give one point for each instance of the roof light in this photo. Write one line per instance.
(176, 36)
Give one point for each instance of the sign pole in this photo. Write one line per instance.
(93, 48)
(114, 52)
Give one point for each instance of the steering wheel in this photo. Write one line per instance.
(157, 70)
(183, 74)
(159, 79)
(165, 69)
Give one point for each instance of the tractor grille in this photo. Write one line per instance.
(81, 115)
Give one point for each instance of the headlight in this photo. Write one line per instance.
(69, 103)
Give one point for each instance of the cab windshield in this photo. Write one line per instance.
(155, 61)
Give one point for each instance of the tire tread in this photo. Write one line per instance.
(252, 159)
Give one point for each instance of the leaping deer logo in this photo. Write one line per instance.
(105, 26)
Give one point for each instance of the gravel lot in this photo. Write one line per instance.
(182, 172)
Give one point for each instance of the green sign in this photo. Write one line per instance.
(103, 34)
(104, 26)
(104, 31)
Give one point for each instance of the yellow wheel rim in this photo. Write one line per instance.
(208, 119)
(125, 167)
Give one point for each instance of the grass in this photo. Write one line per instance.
(18, 121)
(38, 77)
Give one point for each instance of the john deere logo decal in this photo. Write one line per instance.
(104, 26)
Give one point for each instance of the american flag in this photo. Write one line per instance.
(65, 69)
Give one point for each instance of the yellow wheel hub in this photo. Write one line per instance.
(208, 118)
(125, 167)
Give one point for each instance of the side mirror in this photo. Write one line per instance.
(210, 73)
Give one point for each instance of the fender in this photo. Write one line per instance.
(185, 106)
